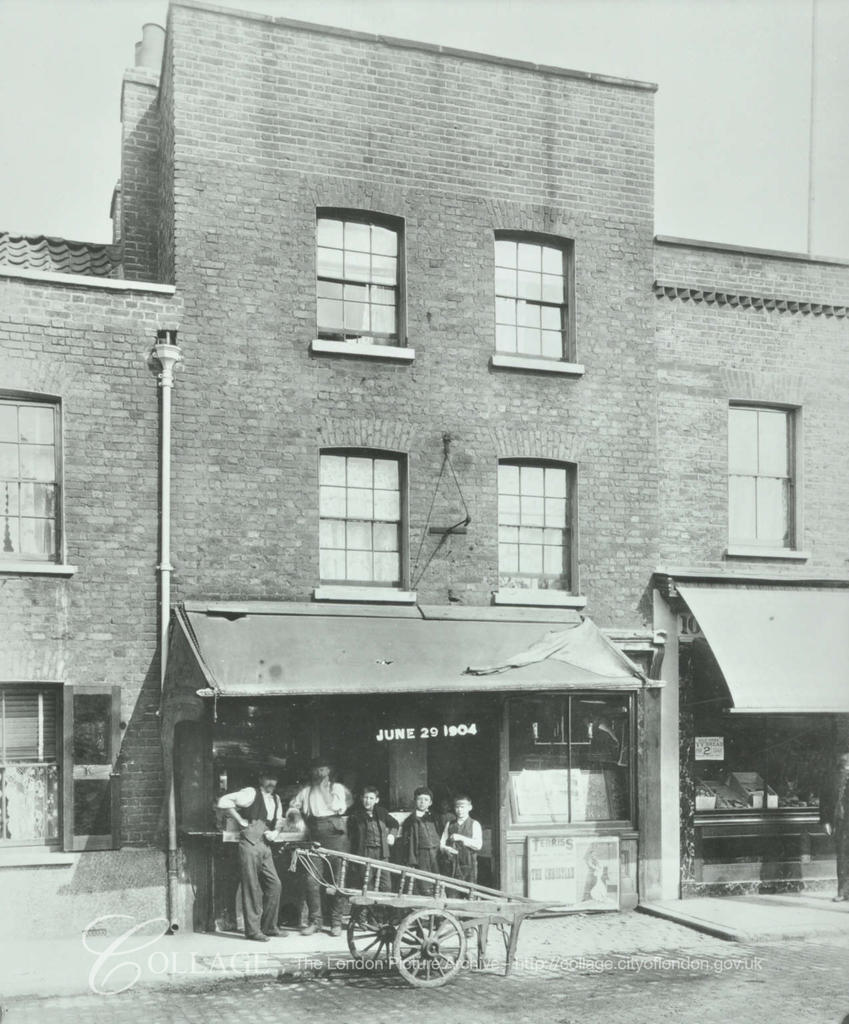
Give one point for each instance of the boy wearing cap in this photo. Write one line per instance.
(420, 837)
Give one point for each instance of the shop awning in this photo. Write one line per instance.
(244, 652)
(783, 650)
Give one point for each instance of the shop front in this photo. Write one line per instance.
(764, 710)
(537, 721)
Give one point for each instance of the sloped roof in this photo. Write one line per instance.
(59, 255)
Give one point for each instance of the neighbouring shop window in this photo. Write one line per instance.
(360, 524)
(29, 480)
(534, 525)
(531, 297)
(358, 278)
(29, 769)
(769, 763)
(760, 476)
(570, 759)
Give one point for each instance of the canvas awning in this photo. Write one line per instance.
(780, 650)
(253, 652)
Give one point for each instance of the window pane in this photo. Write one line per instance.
(533, 480)
(383, 320)
(530, 559)
(530, 257)
(529, 341)
(36, 538)
(36, 425)
(357, 236)
(360, 504)
(533, 512)
(553, 560)
(31, 810)
(387, 568)
(555, 512)
(555, 482)
(358, 536)
(508, 479)
(505, 338)
(331, 533)
(741, 507)
(742, 441)
(529, 286)
(508, 558)
(331, 501)
(21, 724)
(9, 497)
(385, 537)
(332, 470)
(328, 262)
(9, 466)
(508, 509)
(552, 260)
(387, 505)
(505, 311)
(384, 241)
(384, 270)
(360, 471)
(528, 315)
(329, 232)
(331, 565)
(505, 253)
(552, 289)
(772, 443)
(358, 293)
(508, 534)
(552, 345)
(386, 474)
(773, 520)
(505, 281)
(356, 316)
(359, 566)
(551, 318)
(357, 266)
(8, 422)
(10, 535)
(329, 314)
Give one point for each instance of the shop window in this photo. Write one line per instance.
(358, 276)
(360, 518)
(762, 763)
(534, 525)
(532, 284)
(29, 480)
(29, 766)
(760, 477)
(570, 759)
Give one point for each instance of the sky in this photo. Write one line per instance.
(741, 82)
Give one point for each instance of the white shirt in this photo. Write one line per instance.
(472, 842)
(243, 798)
(322, 801)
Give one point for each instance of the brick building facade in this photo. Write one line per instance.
(508, 321)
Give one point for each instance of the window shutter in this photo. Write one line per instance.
(92, 790)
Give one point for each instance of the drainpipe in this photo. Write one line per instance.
(166, 354)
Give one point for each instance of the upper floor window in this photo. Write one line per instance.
(358, 279)
(29, 480)
(760, 476)
(534, 525)
(360, 518)
(532, 297)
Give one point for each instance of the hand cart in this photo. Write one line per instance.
(420, 927)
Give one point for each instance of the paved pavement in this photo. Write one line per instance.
(694, 978)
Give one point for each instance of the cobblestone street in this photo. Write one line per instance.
(631, 968)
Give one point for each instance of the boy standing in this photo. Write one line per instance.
(462, 838)
(372, 832)
(421, 837)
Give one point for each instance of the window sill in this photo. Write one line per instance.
(742, 551)
(367, 595)
(542, 598)
(539, 365)
(36, 569)
(363, 349)
(25, 857)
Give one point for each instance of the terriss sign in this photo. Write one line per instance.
(426, 732)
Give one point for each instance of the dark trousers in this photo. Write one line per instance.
(427, 860)
(841, 845)
(260, 887)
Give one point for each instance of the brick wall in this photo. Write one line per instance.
(711, 352)
(89, 347)
(140, 172)
(272, 121)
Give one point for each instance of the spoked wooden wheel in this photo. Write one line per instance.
(430, 948)
(372, 931)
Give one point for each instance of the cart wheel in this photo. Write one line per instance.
(371, 932)
(430, 948)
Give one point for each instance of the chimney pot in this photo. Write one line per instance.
(151, 46)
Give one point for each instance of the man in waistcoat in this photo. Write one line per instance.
(259, 814)
(324, 805)
(834, 814)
